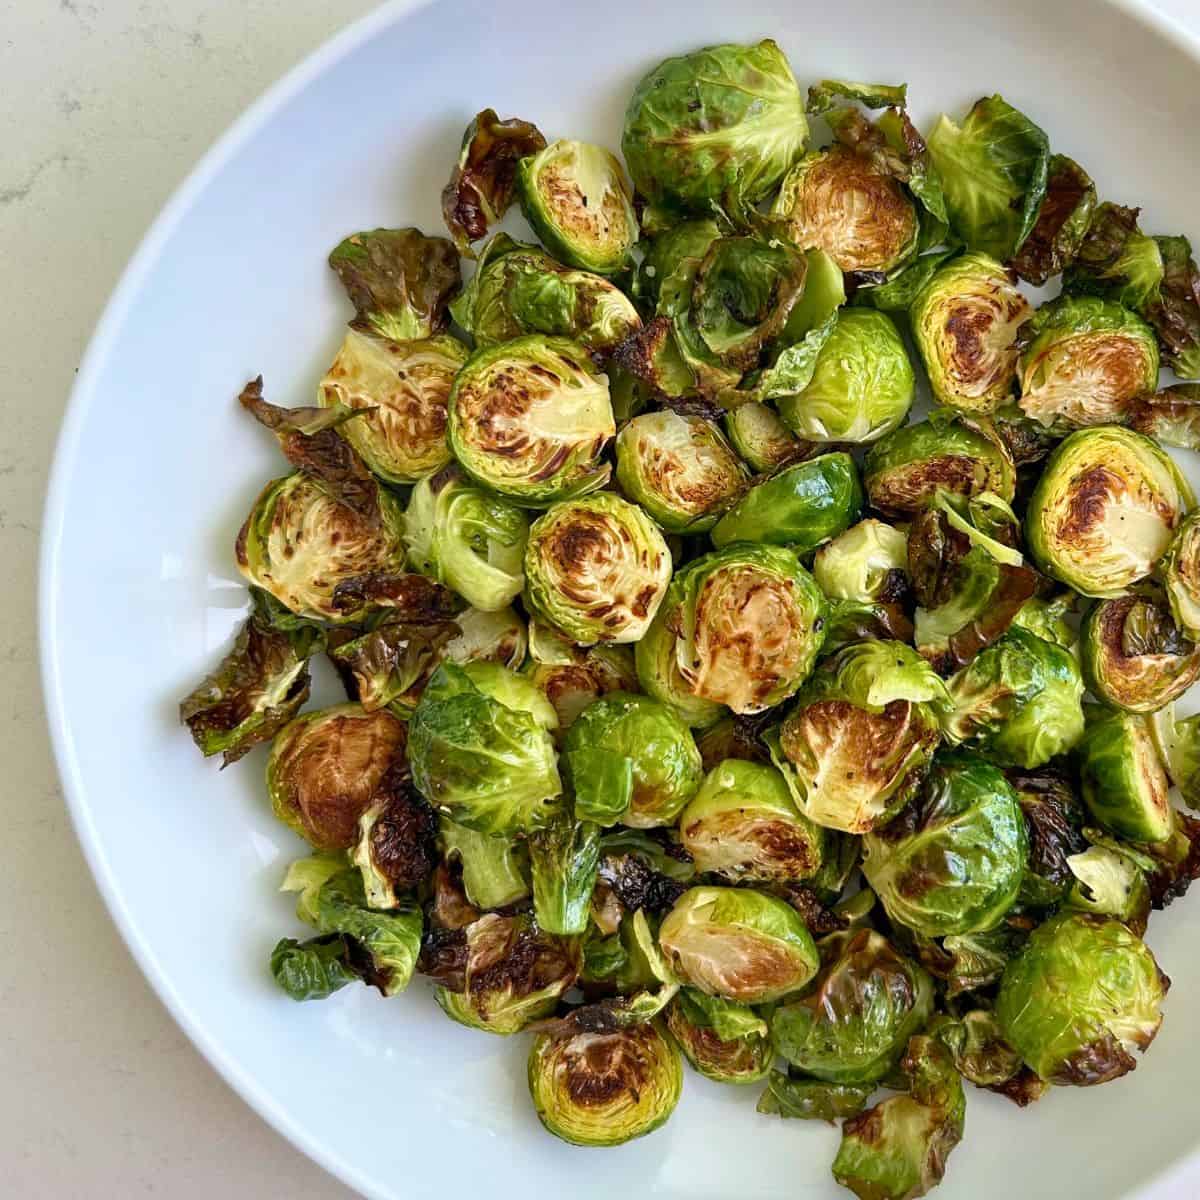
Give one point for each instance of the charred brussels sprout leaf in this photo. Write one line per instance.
(977, 1043)
(868, 562)
(396, 846)
(391, 663)
(1175, 312)
(724, 1042)
(484, 178)
(812, 1099)
(564, 858)
(1062, 222)
(952, 862)
(969, 962)
(529, 420)
(739, 944)
(578, 201)
(800, 507)
(399, 281)
(679, 469)
(1085, 362)
(822, 96)
(1083, 994)
(597, 568)
(481, 750)
(631, 759)
(1054, 819)
(965, 322)
(854, 1023)
(1104, 510)
(1171, 416)
(571, 676)
(602, 1089)
(1116, 260)
(313, 969)
(723, 124)
(1134, 655)
(994, 169)
(497, 637)
(494, 869)
(759, 436)
(1180, 568)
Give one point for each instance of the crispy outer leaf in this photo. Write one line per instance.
(1175, 311)
(413, 597)
(1061, 223)
(390, 660)
(1172, 416)
(822, 96)
(1116, 260)
(813, 1099)
(313, 969)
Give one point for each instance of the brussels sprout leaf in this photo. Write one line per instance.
(564, 858)
(396, 847)
(1171, 416)
(603, 783)
(411, 597)
(314, 969)
(822, 96)
(391, 660)
(1061, 224)
(1116, 260)
(813, 1099)
(1175, 312)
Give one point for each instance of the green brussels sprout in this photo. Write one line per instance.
(952, 862)
(858, 742)
(515, 974)
(812, 1099)
(497, 637)
(1082, 994)
(398, 280)
(631, 759)
(724, 1042)
(842, 203)
(325, 767)
(484, 177)
(597, 568)
(741, 627)
(744, 826)
(602, 1089)
(466, 538)
(1109, 883)
(1019, 701)
(981, 1055)
(481, 751)
(898, 1149)
(759, 436)
(1180, 570)
(1047, 617)
(529, 420)
(518, 289)
(722, 124)
(1084, 362)
(401, 388)
(1122, 778)
(853, 1024)
(965, 322)
(576, 198)
(1116, 260)
(1170, 416)
(867, 562)
(1061, 225)
(800, 507)
(495, 870)
(679, 469)
(739, 944)
(993, 169)
(1054, 820)
(1104, 510)
(564, 858)
(862, 383)
(947, 451)
(1134, 656)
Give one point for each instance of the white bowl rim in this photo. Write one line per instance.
(145, 257)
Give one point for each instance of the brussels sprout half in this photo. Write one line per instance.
(576, 197)
(1180, 569)
(529, 420)
(952, 862)
(759, 436)
(739, 944)
(679, 469)
(965, 322)
(1080, 997)
(1084, 363)
(724, 1042)
(1134, 656)
(1104, 510)
(853, 1024)
(866, 562)
(597, 568)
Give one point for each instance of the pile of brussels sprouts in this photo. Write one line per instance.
(700, 705)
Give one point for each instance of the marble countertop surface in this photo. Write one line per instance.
(106, 106)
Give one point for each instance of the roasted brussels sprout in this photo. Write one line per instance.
(965, 322)
(1104, 510)
(861, 736)
(631, 759)
(800, 507)
(1019, 701)
(578, 201)
(744, 826)
(1116, 260)
(854, 1023)
(1047, 617)
(739, 944)
(724, 1042)
(564, 858)
(572, 676)
(602, 1089)
(861, 386)
(759, 436)
(495, 870)
(1062, 222)
(723, 124)
(1122, 778)
(597, 568)
(1180, 568)
(1134, 655)
(529, 419)
(1054, 820)
(977, 1043)
(904, 470)
(952, 862)
(1082, 994)
(401, 389)
(1084, 362)
(325, 768)
(481, 750)
(741, 627)
(867, 562)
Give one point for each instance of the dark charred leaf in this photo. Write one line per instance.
(448, 906)
(444, 957)
(638, 885)
(390, 660)
(1175, 311)
(413, 597)
(737, 736)
(1054, 820)
(402, 839)
(1116, 260)
(819, 919)
(1173, 878)
(1022, 1089)
(1061, 225)
(1171, 416)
